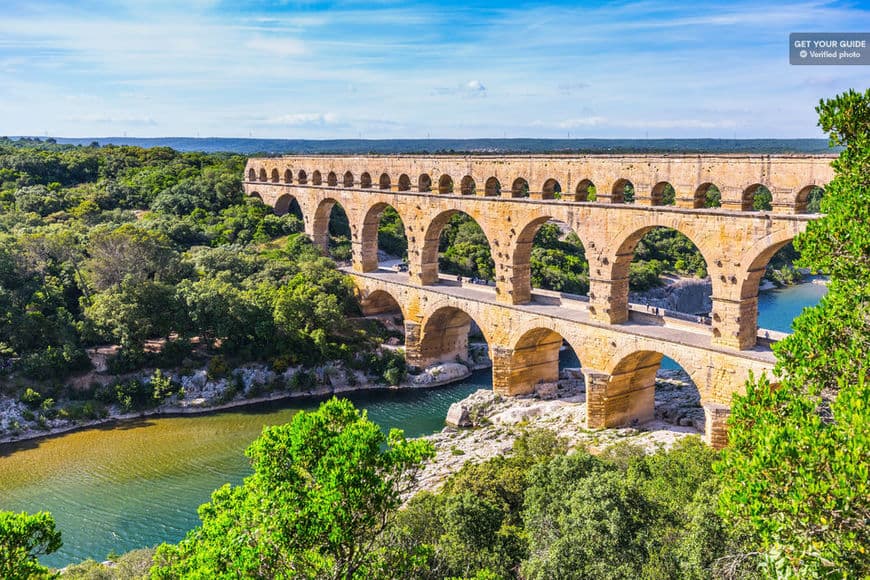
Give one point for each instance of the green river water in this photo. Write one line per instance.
(138, 483)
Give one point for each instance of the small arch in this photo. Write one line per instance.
(467, 186)
(316, 178)
(384, 181)
(663, 194)
(348, 179)
(445, 184)
(535, 359)
(756, 197)
(303, 177)
(622, 192)
(288, 204)
(520, 188)
(252, 175)
(288, 176)
(365, 180)
(552, 189)
(492, 187)
(275, 177)
(256, 196)
(263, 175)
(707, 195)
(331, 179)
(381, 304)
(808, 199)
(424, 183)
(404, 183)
(585, 191)
(444, 337)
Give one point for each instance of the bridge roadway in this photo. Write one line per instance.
(619, 361)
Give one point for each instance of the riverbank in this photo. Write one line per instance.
(486, 424)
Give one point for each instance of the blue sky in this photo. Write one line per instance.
(412, 69)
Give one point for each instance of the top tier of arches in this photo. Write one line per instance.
(784, 182)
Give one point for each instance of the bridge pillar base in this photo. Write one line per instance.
(735, 322)
(716, 428)
(516, 371)
(608, 300)
(620, 400)
(413, 352)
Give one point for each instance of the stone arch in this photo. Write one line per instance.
(520, 187)
(585, 189)
(275, 176)
(252, 174)
(384, 181)
(619, 192)
(803, 198)
(303, 177)
(404, 182)
(256, 195)
(551, 189)
(320, 223)
(533, 359)
(707, 195)
(331, 179)
(347, 181)
(424, 183)
(432, 239)
(756, 197)
(445, 184)
(521, 257)
(493, 187)
(467, 186)
(287, 203)
(316, 178)
(365, 180)
(263, 176)
(380, 302)
(443, 336)
(288, 176)
(663, 193)
(369, 235)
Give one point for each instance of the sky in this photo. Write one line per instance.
(416, 69)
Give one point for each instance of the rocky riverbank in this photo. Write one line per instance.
(490, 423)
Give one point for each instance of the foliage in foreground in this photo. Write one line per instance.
(320, 497)
(23, 538)
(797, 472)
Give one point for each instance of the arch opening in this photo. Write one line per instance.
(449, 335)
(424, 183)
(585, 191)
(287, 204)
(445, 184)
(348, 179)
(757, 197)
(252, 175)
(263, 176)
(520, 187)
(707, 196)
(622, 192)
(492, 187)
(663, 194)
(384, 239)
(331, 179)
(303, 177)
(256, 196)
(551, 189)
(404, 183)
(384, 181)
(316, 178)
(331, 230)
(365, 180)
(288, 176)
(809, 199)
(551, 256)
(382, 307)
(456, 245)
(467, 186)
(275, 177)
(542, 361)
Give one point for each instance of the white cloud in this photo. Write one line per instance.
(582, 122)
(304, 120)
(277, 46)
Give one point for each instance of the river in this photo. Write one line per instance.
(139, 483)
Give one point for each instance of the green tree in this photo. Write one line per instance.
(23, 538)
(798, 466)
(323, 490)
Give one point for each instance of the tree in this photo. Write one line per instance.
(323, 490)
(23, 538)
(798, 466)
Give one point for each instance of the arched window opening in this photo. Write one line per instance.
(493, 187)
(542, 362)
(303, 177)
(623, 192)
(348, 179)
(252, 175)
(707, 196)
(809, 200)
(339, 234)
(585, 191)
(663, 194)
(263, 176)
(275, 177)
(287, 205)
(757, 198)
(383, 308)
(458, 245)
(316, 178)
(424, 183)
(467, 186)
(445, 184)
(449, 336)
(556, 258)
(331, 179)
(384, 181)
(404, 183)
(552, 189)
(288, 176)
(520, 188)
(365, 180)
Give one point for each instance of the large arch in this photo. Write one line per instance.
(533, 359)
(380, 302)
(320, 227)
(287, 203)
(429, 267)
(256, 195)
(443, 337)
(521, 259)
(369, 239)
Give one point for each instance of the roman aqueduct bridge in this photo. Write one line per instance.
(511, 197)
